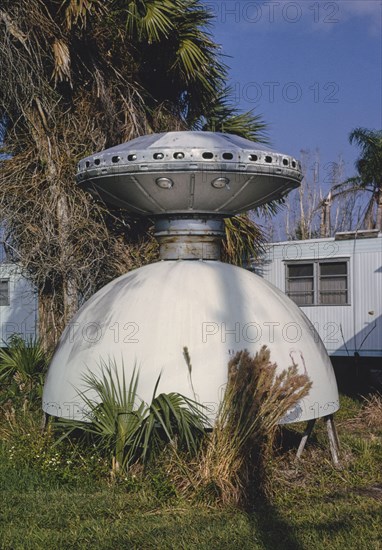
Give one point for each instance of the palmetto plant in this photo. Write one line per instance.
(25, 357)
(130, 429)
(22, 366)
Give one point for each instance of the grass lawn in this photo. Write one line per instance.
(312, 504)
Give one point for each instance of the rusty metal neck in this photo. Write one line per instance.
(183, 237)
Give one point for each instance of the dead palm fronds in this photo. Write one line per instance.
(79, 76)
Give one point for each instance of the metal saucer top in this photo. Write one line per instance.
(189, 173)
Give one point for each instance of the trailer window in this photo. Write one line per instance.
(4, 292)
(333, 283)
(318, 283)
(300, 283)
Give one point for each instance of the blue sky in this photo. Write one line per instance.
(311, 68)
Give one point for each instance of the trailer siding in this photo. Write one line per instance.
(344, 329)
(20, 315)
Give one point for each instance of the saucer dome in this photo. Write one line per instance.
(146, 317)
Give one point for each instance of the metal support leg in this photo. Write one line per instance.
(305, 437)
(337, 439)
(334, 442)
(333, 438)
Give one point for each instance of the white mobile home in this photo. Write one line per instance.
(337, 282)
(18, 304)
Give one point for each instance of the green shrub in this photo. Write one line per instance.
(22, 368)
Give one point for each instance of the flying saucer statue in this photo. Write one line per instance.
(188, 182)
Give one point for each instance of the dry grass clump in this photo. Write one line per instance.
(371, 412)
(368, 416)
(233, 464)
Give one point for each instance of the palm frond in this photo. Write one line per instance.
(129, 428)
(77, 12)
(365, 138)
(351, 186)
(25, 357)
(223, 116)
(369, 177)
(62, 61)
(369, 164)
(149, 21)
(243, 240)
(270, 208)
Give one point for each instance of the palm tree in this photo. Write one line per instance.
(79, 76)
(369, 178)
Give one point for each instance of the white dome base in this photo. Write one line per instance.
(146, 317)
